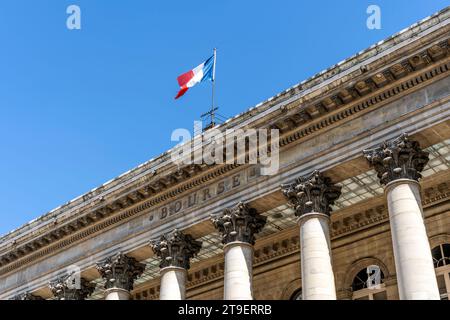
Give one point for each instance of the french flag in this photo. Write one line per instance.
(203, 72)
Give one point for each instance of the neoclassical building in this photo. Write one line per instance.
(359, 208)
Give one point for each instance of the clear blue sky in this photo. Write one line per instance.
(79, 107)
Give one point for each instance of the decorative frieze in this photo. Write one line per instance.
(312, 193)
(436, 193)
(239, 223)
(359, 220)
(175, 249)
(207, 194)
(70, 287)
(401, 158)
(120, 271)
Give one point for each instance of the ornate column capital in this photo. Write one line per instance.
(312, 193)
(26, 296)
(400, 158)
(120, 271)
(67, 288)
(175, 249)
(239, 223)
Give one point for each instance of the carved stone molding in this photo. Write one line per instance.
(400, 158)
(312, 193)
(436, 193)
(120, 271)
(277, 249)
(175, 249)
(358, 220)
(67, 288)
(239, 223)
(348, 100)
(203, 275)
(148, 294)
(27, 296)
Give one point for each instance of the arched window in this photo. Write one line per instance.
(297, 295)
(441, 260)
(368, 284)
(441, 255)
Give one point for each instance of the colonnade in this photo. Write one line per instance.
(398, 164)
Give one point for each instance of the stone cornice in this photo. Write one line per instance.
(151, 188)
(102, 218)
(302, 124)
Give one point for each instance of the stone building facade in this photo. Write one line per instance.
(359, 208)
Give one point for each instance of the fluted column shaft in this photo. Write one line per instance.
(415, 270)
(238, 275)
(398, 164)
(238, 226)
(117, 294)
(311, 196)
(317, 272)
(175, 250)
(173, 283)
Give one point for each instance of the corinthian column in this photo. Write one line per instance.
(238, 226)
(398, 164)
(312, 197)
(175, 250)
(119, 271)
(71, 287)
